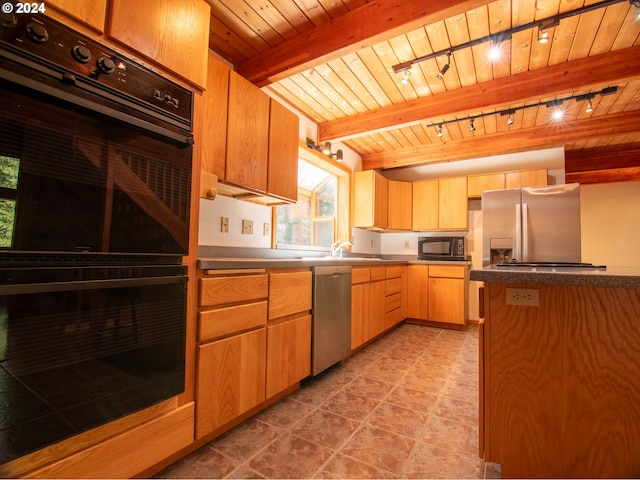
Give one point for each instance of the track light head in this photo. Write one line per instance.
(589, 108)
(440, 133)
(327, 148)
(445, 67)
(472, 127)
(339, 155)
(406, 77)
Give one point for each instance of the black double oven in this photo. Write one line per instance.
(95, 178)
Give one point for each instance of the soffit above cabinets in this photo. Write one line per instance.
(334, 61)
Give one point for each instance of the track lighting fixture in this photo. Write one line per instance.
(407, 76)
(445, 67)
(496, 38)
(589, 108)
(556, 114)
(326, 149)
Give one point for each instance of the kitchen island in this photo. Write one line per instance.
(560, 371)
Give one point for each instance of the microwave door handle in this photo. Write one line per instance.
(518, 235)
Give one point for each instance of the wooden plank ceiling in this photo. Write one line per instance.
(333, 61)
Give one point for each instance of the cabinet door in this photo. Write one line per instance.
(476, 184)
(230, 379)
(282, 175)
(90, 13)
(418, 292)
(289, 293)
(149, 27)
(400, 201)
(425, 205)
(215, 102)
(447, 300)
(358, 325)
(375, 303)
(453, 204)
(247, 135)
(526, 178)
(288, 353)
(370, 199)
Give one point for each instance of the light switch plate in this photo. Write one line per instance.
(266, 229)
(224, 224)
(247, 227)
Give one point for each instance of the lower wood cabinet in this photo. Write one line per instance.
(438, 293)
(288, 353)
(231, 379)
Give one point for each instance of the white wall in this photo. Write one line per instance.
(610, 222)
(235, 210)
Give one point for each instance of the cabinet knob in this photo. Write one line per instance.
(208, 186)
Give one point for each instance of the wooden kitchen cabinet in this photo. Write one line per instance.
(180, 45)
(368, 303)
(288, 353)
(418, 292)
(247, 135)
(215, 100)
(448, 294)
(476, 184)
(289, 329)
(393, 313)
(425, 205)
(231, 379)
(526, 178)
(370, 199)
(400, 205)
(92, 14)
(453, 206)
(282, 166)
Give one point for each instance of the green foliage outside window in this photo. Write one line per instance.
(9, 168)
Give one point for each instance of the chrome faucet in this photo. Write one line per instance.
(334, 248)
(340, 247)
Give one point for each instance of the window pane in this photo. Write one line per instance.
(7, 216)
(323, 232)
(9, 168)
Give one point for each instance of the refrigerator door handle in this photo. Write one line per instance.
(525, 232)
(517, 253)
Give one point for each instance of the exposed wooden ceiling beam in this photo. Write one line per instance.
(372, 23)
(570, 77)
(533, 138)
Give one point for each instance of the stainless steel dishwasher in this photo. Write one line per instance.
(331, 336)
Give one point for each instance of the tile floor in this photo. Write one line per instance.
(406, 406)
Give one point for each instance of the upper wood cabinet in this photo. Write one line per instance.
(247, 135)
(172, 33)
(370, 199)
(213, 137)
(526, 178)
(476, 184)
(453, 205)
(400, 205)
(425, 205)
(91, 13)
(282, 175)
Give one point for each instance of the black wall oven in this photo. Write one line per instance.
(95, 176)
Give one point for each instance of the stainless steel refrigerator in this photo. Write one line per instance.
(533, 224)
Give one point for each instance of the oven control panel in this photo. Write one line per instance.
(52, 45)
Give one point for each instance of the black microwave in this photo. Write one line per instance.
(442, 248)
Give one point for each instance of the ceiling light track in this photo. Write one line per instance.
(509, 113)
(498, 37)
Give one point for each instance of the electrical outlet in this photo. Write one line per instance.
(406, 244)
(523, 296)
(224, 224)
(266, 229)
(247, 227)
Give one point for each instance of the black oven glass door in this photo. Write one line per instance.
(73, 181)
(82, 347)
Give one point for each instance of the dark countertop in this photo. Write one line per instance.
(611, 277)
(224, 263)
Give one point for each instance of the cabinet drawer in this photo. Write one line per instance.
(360, 275)
(289, 293)
(392, 318)
(446, 271)
(378, 273)
(241, 288)
(392, 286)
(391, 302)
(224, 321)
(393, 271)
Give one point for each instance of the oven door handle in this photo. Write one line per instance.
(90, 285)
